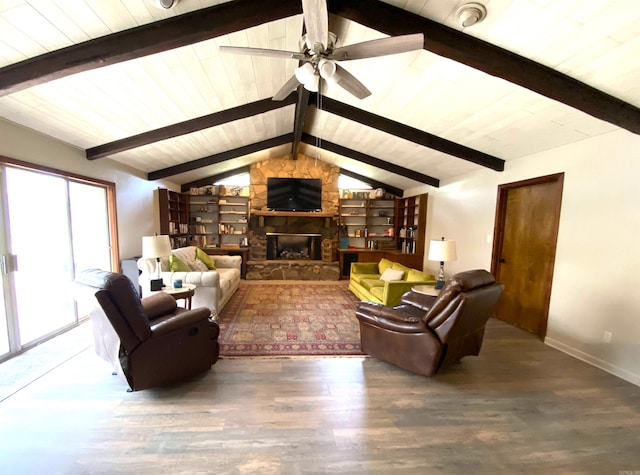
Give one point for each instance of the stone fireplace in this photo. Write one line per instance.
(288, 246)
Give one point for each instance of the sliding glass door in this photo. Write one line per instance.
(53, 227)
(4, 289)
(39, 235)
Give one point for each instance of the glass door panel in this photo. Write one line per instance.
(39, 235)
(89, 231)
(4, 287)
(89, 227)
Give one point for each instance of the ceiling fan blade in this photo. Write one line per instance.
(263, 52)
(381, 47)
(316, 20)
(287, 89)
(349, 83)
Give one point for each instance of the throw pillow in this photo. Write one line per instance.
(398, 266)
(177, 265)
(199, 266)
(206, 258)
(391, 274)
(383, 265)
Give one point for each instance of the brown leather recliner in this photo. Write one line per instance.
(424, 333)
(150, 342)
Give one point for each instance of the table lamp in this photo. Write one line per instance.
(155, 247)
(442, 251)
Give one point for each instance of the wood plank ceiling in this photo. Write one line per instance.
(148, 87)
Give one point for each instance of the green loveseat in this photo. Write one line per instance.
(368, 281)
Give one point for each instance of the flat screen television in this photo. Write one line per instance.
(294, 194)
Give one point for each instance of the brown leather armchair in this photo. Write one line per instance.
(424, 333)
(149, 342)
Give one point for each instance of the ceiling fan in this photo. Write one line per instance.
(320, 57)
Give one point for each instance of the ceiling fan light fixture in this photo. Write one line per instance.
(313, 85)
(326, 69)
(305, 73)
(471, 14)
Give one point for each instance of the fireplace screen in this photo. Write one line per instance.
(293, 246)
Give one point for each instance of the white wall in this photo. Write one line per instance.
(598, 259)
(134, 194)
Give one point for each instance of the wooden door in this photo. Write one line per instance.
(528, 215)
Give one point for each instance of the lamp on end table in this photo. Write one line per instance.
(155, 247)
(442, 251)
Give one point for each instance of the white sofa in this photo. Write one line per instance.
(213, 289)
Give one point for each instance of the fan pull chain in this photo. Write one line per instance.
(318, 107)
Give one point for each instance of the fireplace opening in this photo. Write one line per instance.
(286, 246)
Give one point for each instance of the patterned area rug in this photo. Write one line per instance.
(285, 318)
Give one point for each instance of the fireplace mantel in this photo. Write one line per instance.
(302, 214)
(294, 214)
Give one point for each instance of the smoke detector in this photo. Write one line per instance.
(470, 14)
(164, 4)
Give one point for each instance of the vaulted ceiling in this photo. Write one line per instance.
(148, 87)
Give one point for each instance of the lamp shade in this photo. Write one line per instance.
(442, 251)
(155, 246)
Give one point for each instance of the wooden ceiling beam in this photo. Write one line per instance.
(411, 134)
(210, 180)
(144, 40)
(188, 126)
(220, 157)
(491, 59)
(369, 160)
(298, 122)
(373, 183)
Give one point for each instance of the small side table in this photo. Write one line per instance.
(185, 292)
(426, 289)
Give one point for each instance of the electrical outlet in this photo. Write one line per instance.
(606, 337)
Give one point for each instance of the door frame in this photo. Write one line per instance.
(498, 231)
(11, 313)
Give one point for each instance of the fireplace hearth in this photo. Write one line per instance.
(294, 246)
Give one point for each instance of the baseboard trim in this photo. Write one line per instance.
(592, 360)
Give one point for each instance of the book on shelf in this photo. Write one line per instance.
(408, 247)
(198, 229)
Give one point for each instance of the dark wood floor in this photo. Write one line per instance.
(520, 407)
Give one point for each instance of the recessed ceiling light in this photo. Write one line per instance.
(470, 14)
(165, 4)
